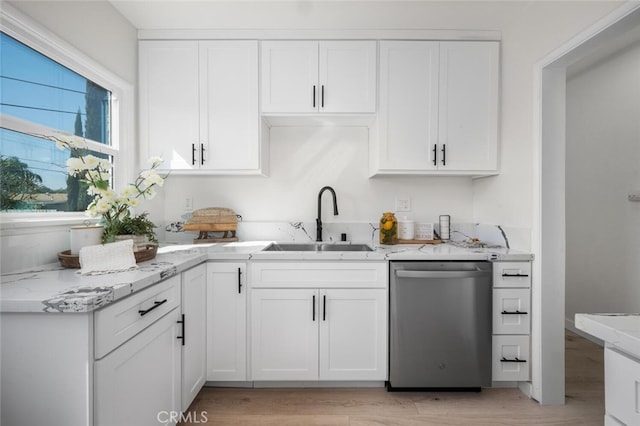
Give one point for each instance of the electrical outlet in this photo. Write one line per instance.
(403, 204)
(188, 204)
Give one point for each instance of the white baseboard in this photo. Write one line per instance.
(570, 325)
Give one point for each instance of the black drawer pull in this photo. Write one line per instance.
(313, 317)
(155, 305)
(515, 275)
(516, 359)
(514, 313)
(183, 325)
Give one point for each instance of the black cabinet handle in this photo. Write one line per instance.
(202, 154)
(183, 336)
(155, 305)
(444, 154)
(435, 154)
(313, 317)
(314, 95)
(324, 307)
(516, 359)
(193, 154)
(239, 281)
(513, 313)
(515, 275)
(322, 96)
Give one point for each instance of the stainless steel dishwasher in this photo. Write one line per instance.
(440, 325)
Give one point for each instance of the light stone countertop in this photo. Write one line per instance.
(52, 288)
(621, 331)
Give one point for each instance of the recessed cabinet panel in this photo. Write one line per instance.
(347, 76)
(229, 104)
(169, 102)
(511, 358)
(408, 114)
(468, 97)
(353, 334)
(289, 76)
(284, 334)
(511, 311)
(141, 378)
(226, 321)
(194, 337)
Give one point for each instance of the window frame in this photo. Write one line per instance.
(28, 32)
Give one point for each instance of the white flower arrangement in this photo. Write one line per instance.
(114, 207)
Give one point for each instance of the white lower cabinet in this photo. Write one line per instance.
(622, 388)
(226, 321)
(284, 334)
(193, 333)
(318, 333)
(310, 334)
(353, 334)
(140, 380)
(511, 355)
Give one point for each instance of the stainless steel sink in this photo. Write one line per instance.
(316, 247)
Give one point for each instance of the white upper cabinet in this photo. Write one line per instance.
(438, 108)
(312, 76)
(199, 105)
(408, 115)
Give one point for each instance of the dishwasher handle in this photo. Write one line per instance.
(441, 274)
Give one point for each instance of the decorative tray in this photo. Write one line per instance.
(148, 252)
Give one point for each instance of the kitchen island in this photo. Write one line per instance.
(621, 336)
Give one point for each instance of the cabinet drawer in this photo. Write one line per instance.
(511, 358)
(117, 323)
(511, 311)
(319, 274)
(512, 274)
(622, 386)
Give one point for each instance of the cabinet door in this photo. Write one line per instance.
(353, 334)
(468, 120)
(408, 115)
(347, 76)
(284, 334)
(141, 378)
(289, 76)
(194, 337)
(226, 322)
(169, 102)
(229, 117)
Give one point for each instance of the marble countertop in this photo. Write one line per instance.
(52, 288)
(621, 331)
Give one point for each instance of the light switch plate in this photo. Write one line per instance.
(403, 204)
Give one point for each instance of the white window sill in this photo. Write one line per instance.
(16, 223)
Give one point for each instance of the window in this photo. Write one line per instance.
(39, 98)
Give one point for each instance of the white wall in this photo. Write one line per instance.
(602, 168)
(527, 38)
(302, 161)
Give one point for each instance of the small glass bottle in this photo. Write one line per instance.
(388, 229)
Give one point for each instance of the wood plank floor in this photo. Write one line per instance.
(368, 407)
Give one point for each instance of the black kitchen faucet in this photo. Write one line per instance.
(319, 218)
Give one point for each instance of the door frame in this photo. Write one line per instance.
(548, 226)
